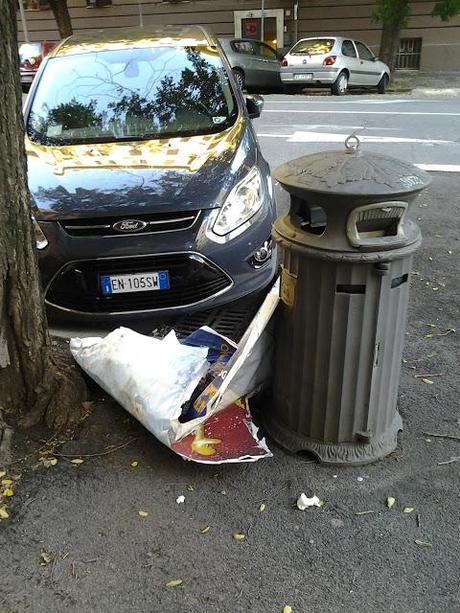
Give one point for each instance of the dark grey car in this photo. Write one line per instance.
(149, 191)
(255, 65)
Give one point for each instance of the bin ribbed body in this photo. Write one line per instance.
(340, 339)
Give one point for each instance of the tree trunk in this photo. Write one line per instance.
(62, 17)
(35, 382)
(389, 42)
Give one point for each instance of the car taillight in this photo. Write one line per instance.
(284, 62)
(330, 60)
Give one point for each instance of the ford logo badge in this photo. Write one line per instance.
(129, 225)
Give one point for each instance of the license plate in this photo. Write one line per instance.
(304, 77)
(139, 282)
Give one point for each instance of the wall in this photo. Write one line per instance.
(441, 41)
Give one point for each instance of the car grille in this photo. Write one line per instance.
(192, 279)
(155, 222)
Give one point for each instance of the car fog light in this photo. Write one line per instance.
(262, 255)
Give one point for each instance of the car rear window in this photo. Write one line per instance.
(313, 46)
(131, 94)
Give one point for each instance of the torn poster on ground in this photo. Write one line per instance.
(192, 395)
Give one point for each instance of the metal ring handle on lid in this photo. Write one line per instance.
(352, 143)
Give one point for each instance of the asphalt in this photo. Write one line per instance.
(104, 557)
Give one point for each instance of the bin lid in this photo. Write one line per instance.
(351, 172)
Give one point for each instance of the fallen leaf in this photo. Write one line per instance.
(205, 529)
(4, 513)
(174, 583)
(238, 536)
(303, 502)
(2, 473)
(287, 609)
(8, 492)
(430, 335)
(422, 543)
(134, 464)
(7, 481)
(391, 502)
(46, 557)
(77, 461)
(142, 513)
(427, 381)
(408, 510)
(262, 507)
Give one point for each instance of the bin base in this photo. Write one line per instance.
(337, 453)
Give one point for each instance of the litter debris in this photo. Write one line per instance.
(205, 530)
(47, 462)
(180, 499)
(422, 543)
(287, 609)
(46, 558)
(360, 479)
(142, 513)
(77, 461)
(134, 464)
(391, 502)
(408, 510)
(4, 513)
(427, 381)
(174, 583)
(239, 536)
(303, 502)
(192, 395)
(262, 507)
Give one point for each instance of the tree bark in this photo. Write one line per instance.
(62, 17)
(389, 42)
(35, 382)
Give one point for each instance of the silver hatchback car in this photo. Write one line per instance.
(335, 62)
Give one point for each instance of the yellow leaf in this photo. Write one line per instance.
(4, 513)
(391, 502)
(287, 609)
(422, 543)
(7, 481)
(429, 335)
(408, 510)
(77, 461)
(204, 530)
(174, 583)
(238, 536)
(134, 464)
(52, 461)
(45, 556)
(142, 513)
(2, 473)
(8, 492)
(427, 381)
(262, 507)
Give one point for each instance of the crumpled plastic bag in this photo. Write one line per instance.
(150, 378)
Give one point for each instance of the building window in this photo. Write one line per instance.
(410, 50)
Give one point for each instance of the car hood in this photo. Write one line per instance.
(165, 175)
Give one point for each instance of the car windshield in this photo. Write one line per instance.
(131, 94)
(313, 46)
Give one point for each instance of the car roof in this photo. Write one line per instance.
(149, 36)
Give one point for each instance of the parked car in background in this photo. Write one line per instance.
(30, 57)
(335, 62)
(149, 190)
(255, 65)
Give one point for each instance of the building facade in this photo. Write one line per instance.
(427, 43)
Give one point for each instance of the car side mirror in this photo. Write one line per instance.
(254, 105)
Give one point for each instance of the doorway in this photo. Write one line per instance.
(248, 24)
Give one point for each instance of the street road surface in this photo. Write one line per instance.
(424, 131)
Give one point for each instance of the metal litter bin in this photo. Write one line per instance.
(346, 254)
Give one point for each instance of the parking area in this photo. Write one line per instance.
(353, 554)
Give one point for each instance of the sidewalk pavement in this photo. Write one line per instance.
(427, 83)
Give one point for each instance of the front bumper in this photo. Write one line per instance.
(309, 76)
(204, 274)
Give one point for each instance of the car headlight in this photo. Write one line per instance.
(40, 239)
(242, 203)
